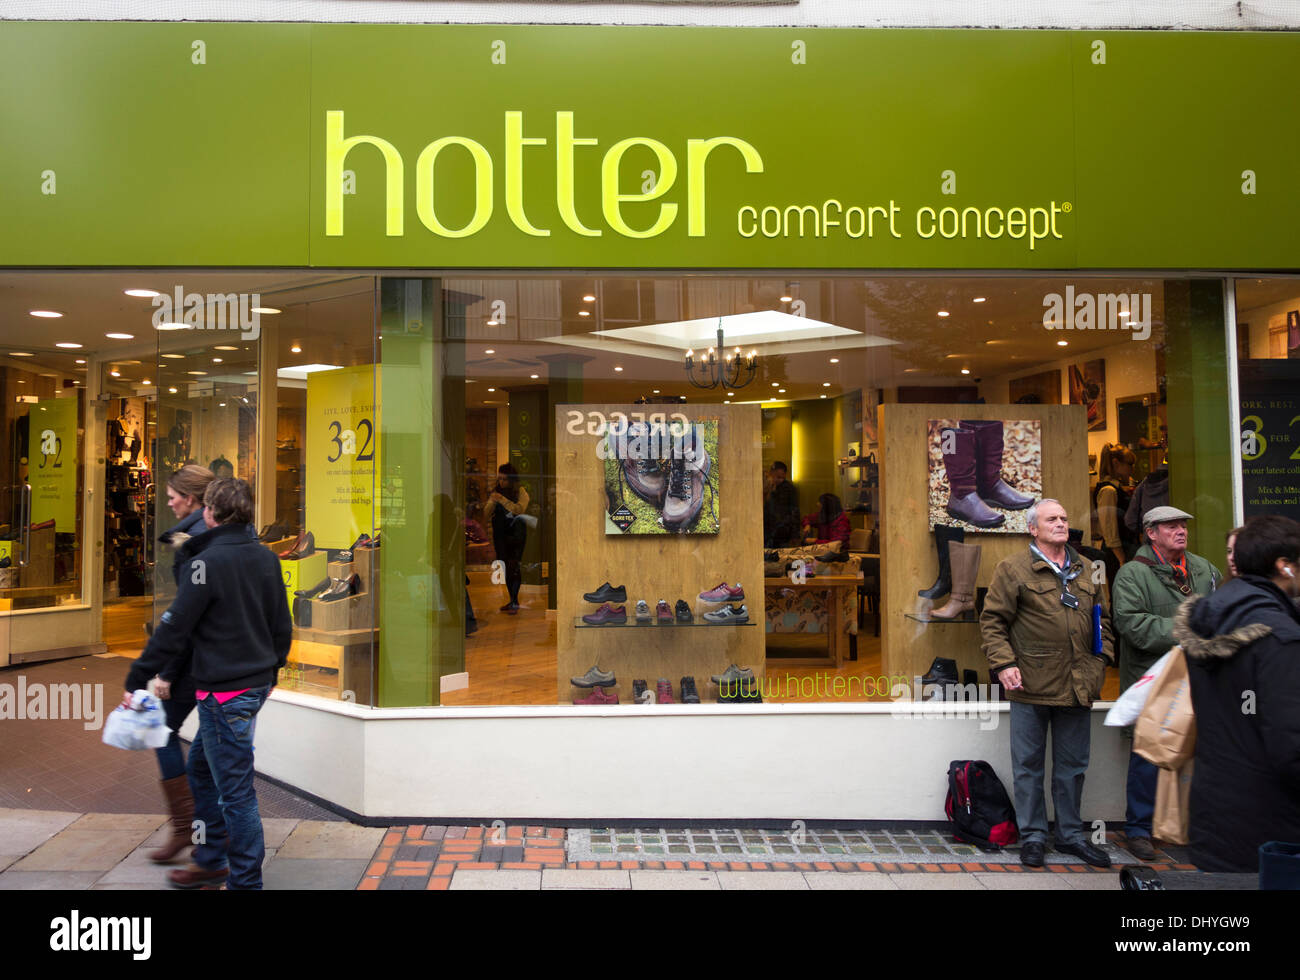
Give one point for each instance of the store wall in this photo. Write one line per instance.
(1259, 320)
(1130, 370)
(814, 450)
(1257, 15)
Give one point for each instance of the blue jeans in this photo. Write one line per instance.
(1142, 779)
(221, 780)
(171, 760)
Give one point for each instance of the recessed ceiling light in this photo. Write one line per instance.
(216, 360)
(780, 391)
(787, 299)
(115, 373)
(617, 368)
(218, 347)
(179, 356)
(776, 384)
(589, 298)
(584, 313)
(81, 360)
(295, 349)
(489, 351)
(533, 376)
(826, 384)
(492, 323)
(823, 396)
(265, 309)
(146, 381)
(172, 390)
(120, 336)
(491, 389)
(46, 314)
(835, 360)
(196, 372)
(69, 345)
(144, 293)
(965, 370)
(173, 326)
(1124, 313)
(978, 299)
(944, 313)
(221, 404)
(20, 353)
(1062, 343)
(656, 391)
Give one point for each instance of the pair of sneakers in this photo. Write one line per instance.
(663, 692)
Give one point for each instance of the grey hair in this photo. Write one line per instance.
(1031, 518)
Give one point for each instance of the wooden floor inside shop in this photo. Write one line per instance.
(512, 659)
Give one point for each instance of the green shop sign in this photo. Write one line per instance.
(533, 147)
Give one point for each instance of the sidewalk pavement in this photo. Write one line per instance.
(44, 849)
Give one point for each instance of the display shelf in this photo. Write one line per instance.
(633, 624)
(915, 618)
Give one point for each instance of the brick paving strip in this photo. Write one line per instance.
(425, 857)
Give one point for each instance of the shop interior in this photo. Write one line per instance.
(825, 374)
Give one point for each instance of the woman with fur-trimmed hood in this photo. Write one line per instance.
(1243, 654)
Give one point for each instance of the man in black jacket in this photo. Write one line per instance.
(231, 619)
(1243, 654)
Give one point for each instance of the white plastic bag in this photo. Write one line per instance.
(141, 726)
(1125, 711)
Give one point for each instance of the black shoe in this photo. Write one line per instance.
(689, 694)
(471, 627)
(942, 671)
(341, 589)
(315, 590)
(638, 692)
(683, 612)
(607, 593)
(771, 556)
(5, 562)
(1092, 855)
(1031, 854)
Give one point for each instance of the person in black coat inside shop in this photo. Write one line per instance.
(1243, 653)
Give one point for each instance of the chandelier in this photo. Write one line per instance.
(735, 371)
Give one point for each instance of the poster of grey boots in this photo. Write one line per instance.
(984, 473)
(661, 478)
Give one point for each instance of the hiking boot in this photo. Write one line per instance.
(607, 615)
(728, 614)
(192, 876)
(723, 592)
(733, 674)
(683, 612)
(686, 479)
(639, 693)
(597, 697)
(642, 611)
(739, 692)
(664, 692)
(689, 694)
(595, 677)
(607, 593)
(663, 612)
(643, 468)
(1142, 848)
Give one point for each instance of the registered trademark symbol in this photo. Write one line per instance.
(1067, 207)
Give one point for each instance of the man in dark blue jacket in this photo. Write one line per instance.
(230, 618)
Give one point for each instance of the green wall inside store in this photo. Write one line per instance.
(1200, 433)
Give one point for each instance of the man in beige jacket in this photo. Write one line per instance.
(1041, 636)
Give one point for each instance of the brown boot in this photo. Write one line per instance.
(192, 876)
(964, 560)
(181, 805)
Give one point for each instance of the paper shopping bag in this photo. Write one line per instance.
(1166, 729)
(1173, 789)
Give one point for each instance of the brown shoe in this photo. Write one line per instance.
(181, 806)
(1142, 848)
(192, 876)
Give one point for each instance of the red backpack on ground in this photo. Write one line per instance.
(978, 807)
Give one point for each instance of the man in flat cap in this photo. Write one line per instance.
(1144, 597)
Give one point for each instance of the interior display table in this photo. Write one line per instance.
(835, 587)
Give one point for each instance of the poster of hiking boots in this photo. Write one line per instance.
(984, 473)
(661, 478)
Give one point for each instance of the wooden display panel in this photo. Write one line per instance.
(908, 558)
(653, 567)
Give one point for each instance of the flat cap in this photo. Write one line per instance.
(1158, 515)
